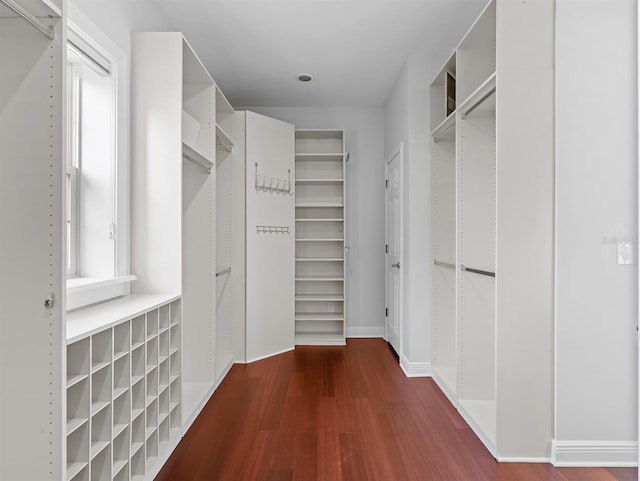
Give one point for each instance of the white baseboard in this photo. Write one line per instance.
(260, 358)
(415, 369)
(594, 453)
(364, 332)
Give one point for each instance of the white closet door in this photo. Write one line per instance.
(270, 255)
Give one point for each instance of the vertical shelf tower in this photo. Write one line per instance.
(492, 202)
(320, 237)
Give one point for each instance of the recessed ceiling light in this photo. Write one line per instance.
(304, 77)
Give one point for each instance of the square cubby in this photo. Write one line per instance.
(121, 376)
(100, 350)
(101, 389)
(138, 331)
(121, 452)
(100, 431)
(164, 315)
(121, 414)
(101, 465)
(152, 324)
(176, 312)
(121, 340)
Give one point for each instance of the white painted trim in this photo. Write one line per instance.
(594, 453)
(270, 355)
(364, 332)
(415, 369)
(522, 460)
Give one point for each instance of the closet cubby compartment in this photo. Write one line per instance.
(152, 449)
(121, 444)
(163, 346)
(319, 142)
(138, 365)
(443, 93)
(174, 366)
(121, 340)
(163, 375)
(122, 474)
(175, 312)
(319, 230)
(163, 318)
(151, 416)
(137, 332)
(81, 474)
(152, 385)
(101, 389)
(77, 451)
(77, 362)
(101, 350)
(152, 324)
(325, 214)
(100, 431)
(121, 415)
(152, 353)
(138, 400)
(318, 267)
(138, 465)
(101, 466)
(163, 404)
(174, 405)
(164, 432)
(78, 402)
(137, 435)
(174, 339)
(121, 376)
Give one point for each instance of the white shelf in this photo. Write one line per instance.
(119, 429)
(149, 432)
(135, 413)
(324, 317)
(319, 259)
(319, 181)
(223, 138)
(74, 468)
(445, 126)
(97, 366)
(319, 298)
(120, 355)
(96, 407)
(337, 156)
(75, 423)
(320, 220)
(320, 240)
(97, 447)
(319, 278)
(320, 339)
(191, 153)
(136, 379)
(73, 379)
(135, 447)
(119, 392)
(118, 465)
(303, 205)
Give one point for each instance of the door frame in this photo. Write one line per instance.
(398, 152)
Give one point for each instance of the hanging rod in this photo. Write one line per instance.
(478, 102)
(443, 264)
(19, 10)
(477, 271)
(224, 271)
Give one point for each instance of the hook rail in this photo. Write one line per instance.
(269, 184)
(273, 229)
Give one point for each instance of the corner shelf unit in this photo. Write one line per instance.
(124, 395)
(320, 237)
(492, 277)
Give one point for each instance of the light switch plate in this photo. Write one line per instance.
(625, 253)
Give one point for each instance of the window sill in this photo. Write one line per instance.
(85, 291)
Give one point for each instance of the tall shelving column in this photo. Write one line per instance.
(320, 237)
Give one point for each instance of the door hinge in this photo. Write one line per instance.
(386, 312)
(386, 248)
(386, 183)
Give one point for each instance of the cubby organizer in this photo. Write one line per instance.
(123, 396)
(320, 237)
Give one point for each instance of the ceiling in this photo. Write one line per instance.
(355, 49)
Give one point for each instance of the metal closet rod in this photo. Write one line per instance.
(443, 264)
(479, 102)
(19, 10)
(477, 271)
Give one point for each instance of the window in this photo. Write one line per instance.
(95, 195)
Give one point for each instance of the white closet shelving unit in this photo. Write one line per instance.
(320, 237)
(32, 430)
(492, 204)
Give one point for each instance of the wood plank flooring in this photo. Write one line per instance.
(342, 414)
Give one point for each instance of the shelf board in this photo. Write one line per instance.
(173, 406)
(162, 388)
(223, 139)
(136, 379)
(73, 379)
(149, 432)
(173, 351)
(162, 418)
(74, 468)
(191, 153)
(97, 447)
(320, 220)
(137, 345)
(335, 156)
(119, 392)
(162, 359)
(319, 278)
(319, 181)
(96, 366)
(319, 259)
(98, 406)
(118, 465)
(163, 330)
(135, 447)
(319, 240)
(119, 355)
(149, 400)
(445, 126)
(302, 205)
(323, 316)
(319, 338)
(151, 367)
(173, 378)
(119, 429)
(319, 298)
(135, 413)
(75, 423)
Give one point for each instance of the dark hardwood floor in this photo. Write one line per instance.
(342, 414)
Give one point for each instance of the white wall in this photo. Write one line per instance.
(407, 121)
(596, 349)
(364, 129)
